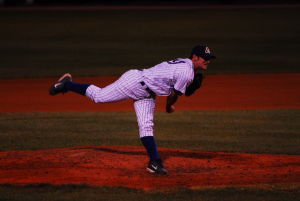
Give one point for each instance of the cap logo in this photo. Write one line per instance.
(207, 51)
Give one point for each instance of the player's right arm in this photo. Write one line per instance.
(183, 75)
(171, 100)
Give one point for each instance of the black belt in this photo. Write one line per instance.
(152, 94)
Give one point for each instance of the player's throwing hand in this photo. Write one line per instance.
(170, 109)
(169, 78)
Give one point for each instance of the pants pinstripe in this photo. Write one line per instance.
(128, 87)
(144, 110)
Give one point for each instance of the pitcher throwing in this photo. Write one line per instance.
(170, 78)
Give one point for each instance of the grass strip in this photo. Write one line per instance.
(44, 192)
(249, 131)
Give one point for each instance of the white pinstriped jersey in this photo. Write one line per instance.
(176, 74)
(160, 79)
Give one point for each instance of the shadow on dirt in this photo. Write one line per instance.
(163, 153)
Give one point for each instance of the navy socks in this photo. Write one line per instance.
(148, 141)
(149, 144)
(76, 87)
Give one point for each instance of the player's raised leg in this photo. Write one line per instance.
(65, 84)
(145, 112)
(110, 93)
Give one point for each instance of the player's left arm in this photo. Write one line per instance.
(195, 85)
(171, 100)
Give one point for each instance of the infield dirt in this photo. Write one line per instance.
(125, 165)
(219, 92)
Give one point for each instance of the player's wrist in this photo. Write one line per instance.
(170, 108)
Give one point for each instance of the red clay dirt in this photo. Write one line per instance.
(125, 165)
(219, 92)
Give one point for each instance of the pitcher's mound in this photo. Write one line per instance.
(125, 166)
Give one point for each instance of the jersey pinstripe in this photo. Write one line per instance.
(163, 77)
(160, 79)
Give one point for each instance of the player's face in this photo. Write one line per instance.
(199, 62)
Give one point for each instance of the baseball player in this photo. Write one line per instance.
(170, 78)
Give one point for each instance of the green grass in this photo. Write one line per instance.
(269, 131)
(86, 193)
(90, 43)
(263, 131)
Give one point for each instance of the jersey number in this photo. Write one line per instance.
(175, 61)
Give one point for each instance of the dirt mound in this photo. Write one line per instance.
(125, 166)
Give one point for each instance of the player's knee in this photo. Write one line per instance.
(146, 134)
(93, 92)
(94, 98)
(146, 130)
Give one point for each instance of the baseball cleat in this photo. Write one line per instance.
(59, 86)
(156, 167)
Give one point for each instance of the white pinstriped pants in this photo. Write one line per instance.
(128, 86)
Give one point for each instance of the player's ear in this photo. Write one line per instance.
(194, 57)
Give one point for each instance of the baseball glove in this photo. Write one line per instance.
(196, 84)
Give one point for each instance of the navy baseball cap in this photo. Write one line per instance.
(203, 51)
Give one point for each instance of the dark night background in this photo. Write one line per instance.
(142, 2)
